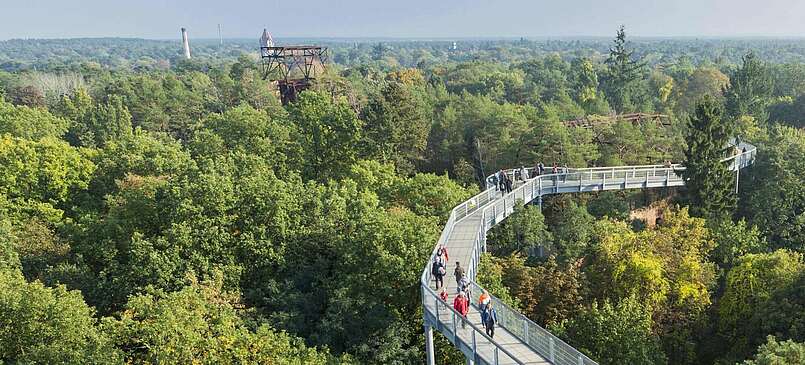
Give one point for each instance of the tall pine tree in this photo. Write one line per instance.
(708, 180)
(622, 80)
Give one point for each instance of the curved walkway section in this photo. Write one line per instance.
(519, 340)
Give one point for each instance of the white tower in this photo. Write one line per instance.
(186, 43)
(265, 41)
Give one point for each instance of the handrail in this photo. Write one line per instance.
(456, 317)
(750, 152)
(531, 334)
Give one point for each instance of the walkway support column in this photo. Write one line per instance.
(470, 361)
(431, 357)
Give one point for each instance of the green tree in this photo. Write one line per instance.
(39, 177)
(775, 352)
(753, 281)
(397, 126)
(430, 195)
(585, 86)
(200, 325)
(30, 123)
(491, 277)
(523, 232)
(572, 229)
(622, 82)
(702, 81)
(734, 240)
(41, 325)
(548, 293)
(246, 130)
(781, 315)
(615, 334)
(708, 182)
(100, 124)
(750, 90)
(609, 204)
(329, 133)
(773, 195)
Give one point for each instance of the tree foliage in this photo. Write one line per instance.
(708, 182)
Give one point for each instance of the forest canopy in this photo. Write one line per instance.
(163, 210)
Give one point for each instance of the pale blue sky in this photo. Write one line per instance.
(413, 18)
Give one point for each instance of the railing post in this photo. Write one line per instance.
(552, 351)
(603, 180)
(474, 348)
(525, 330)
(625, 179)
(438, 304)
(581, 360)
(540, 186)
(455, 333)
(431, 359)
(496, 356)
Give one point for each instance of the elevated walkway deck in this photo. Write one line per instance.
(519, 340)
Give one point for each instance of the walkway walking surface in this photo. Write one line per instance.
(459, 247)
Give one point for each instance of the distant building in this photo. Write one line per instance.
(265, 41)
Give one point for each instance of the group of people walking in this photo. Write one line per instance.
(461, 303)
(504, 183)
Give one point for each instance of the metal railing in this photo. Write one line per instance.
(496, 206)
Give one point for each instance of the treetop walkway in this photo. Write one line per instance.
(518, 340)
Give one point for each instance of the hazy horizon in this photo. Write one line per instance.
(415, 19)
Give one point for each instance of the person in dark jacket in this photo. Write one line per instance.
(490, 317)
(438, 272)
(508, 185)
(459, 272)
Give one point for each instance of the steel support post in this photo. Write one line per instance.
(431, 357)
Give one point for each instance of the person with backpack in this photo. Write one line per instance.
(442, 251)
(438, 272)
(464, 285)
(490, 318)
(462, 306)
(458, 272)
(501, 181)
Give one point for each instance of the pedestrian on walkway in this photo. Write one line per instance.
(541, 168)
(535, 171)
(565, 170)
(523, 173)
(462, 306)
(459, 273)
(438, 272)
(443, 295)
(442, 252)
(508, 185)
(464, 285)
(490, 319)
(483, 300)
(501, 181)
